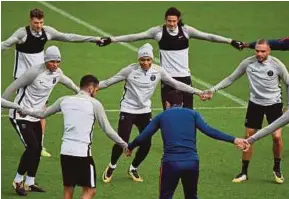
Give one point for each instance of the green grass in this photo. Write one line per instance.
(208, 61)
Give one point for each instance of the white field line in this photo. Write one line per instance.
(103, 33)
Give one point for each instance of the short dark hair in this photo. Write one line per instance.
(262, 41)
(172, 11)
(174, 97)
(88, 80)
(36, 13)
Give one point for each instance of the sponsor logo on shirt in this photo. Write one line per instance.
(270, 73)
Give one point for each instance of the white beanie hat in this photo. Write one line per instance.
(52, 53)
(146, 51)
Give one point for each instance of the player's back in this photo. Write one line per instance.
(178, 129)
(78, 113)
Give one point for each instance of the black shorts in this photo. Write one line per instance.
(187, 97)
(255, 114)
(78, 171)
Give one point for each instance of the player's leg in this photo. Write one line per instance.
(169, 179)
(189, 178)
(44, 153)
(88, 193)
(68, 192)
(165, 89)
(69, 174)
(18, 182)
(34, 155)
(272, 113)
(141, 121)
(188, 100)
(253, 122)
(87, 178)
(125, 123)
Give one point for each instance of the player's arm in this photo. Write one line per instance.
(197, 34)
(105, 125)
(24, 80)
(176, 84)
(239, 71)
(66, 81)
(13, 39)
(147, 133)
(280, 122)
(210, 131)
(283, 73)
(149, 34)
(275, 44)
(53, 34)
(54, 108)
(7, 104)
(120, 76)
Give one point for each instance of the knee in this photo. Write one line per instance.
(250, 132)
(277, 138)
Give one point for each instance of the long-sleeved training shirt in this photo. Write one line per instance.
(140, 86)
(175, 62)
(264, 79)
(7, 104)
(178, 129)
(23, 61)
(35, 87)
(80, 113)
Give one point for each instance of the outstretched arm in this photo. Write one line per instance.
(240, 70)
(7, 104)
(14, 38)
(149, 34)
(212, 132)
(66, 81)
(178, 85)
(120, 76)
(54, 108)
(105, 125)
(147, 133)
(280, 122)
(68, 37)
(24, 80)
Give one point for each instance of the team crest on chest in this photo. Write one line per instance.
(270, 73)
(54, 80)
(153, 78)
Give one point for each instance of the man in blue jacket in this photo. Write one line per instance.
(180, 160)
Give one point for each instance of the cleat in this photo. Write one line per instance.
(107, 174)
(134, 175)
(33, 188)
(19, 189)
(279, 179)
(240, 178)
(44, 153)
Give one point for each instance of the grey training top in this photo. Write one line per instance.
(264, 79)
(175, 62)
(35, 87)
(80, 112)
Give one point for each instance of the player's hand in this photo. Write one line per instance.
(127, 152)
(242, 144)
(237, 44)
(104, 41)
(206, 95)
(22, 112)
